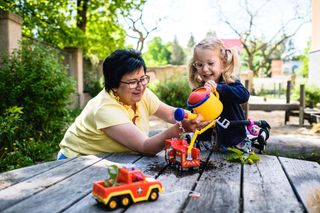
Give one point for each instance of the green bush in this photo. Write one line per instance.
(35, 78)
(93, 84)
(9, 125)
(312, 95)
(35, 92)
(94, 87)
(174, 92)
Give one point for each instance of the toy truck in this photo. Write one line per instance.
(131, 186)
(176, 153)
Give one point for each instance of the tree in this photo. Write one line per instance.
(304, 71)
(138, 27)
(177, 53)
(256, 44)
(190, 45)
(86, 24)
(191, 41)
(211, 34)
(157, 53)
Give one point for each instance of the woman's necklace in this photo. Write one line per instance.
(130, 107)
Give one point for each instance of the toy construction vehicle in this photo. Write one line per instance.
(178, 151)
(129, 186)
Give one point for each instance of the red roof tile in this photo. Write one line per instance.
(235, 43)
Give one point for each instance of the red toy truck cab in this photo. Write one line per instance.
(132, 186)
(176, 151)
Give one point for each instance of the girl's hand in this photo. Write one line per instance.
(211, 85)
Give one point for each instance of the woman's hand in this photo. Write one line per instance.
(194, 124)
(211, 85)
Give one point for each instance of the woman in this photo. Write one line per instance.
(117, 119)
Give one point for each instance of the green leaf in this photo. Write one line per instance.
(243, 158)
(235, 150)
(254, 157)
(233, 157)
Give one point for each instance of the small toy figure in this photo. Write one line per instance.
(124, 187)
(257, 132)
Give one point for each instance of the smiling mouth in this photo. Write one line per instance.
(208, 76)
(137, 93)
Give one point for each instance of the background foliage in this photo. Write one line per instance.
(35, 92)
(174, 91)
(86, 24)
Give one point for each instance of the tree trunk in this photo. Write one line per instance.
(82, 7)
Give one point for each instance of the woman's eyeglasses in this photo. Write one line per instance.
(144, 80)
(199, 65)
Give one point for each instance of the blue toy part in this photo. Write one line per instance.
(179, 114)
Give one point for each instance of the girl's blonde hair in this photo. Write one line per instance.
(229, 57)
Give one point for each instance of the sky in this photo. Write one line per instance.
(181, 18)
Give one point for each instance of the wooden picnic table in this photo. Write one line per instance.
(273, 184)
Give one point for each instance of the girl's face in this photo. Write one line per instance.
(132, 87)
(208, 64)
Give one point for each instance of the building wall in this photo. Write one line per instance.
(314, 55)
(10, 31)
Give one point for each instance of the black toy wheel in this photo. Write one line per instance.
(126, 200)
(166, 157)
(154, 195)
(113, 203)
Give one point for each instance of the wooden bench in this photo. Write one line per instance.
(290, 108)
(311, 115)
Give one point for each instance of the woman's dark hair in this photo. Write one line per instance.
(119, 63)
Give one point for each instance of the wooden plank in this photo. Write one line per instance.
(12, 177)
(70, 190)
(305, 178)
(177, 188)
(268, 107)
(145, 164)
(25, 189)
(219, 187)
(267, 189)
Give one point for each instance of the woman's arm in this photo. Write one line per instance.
(130, 136)
(166, 113)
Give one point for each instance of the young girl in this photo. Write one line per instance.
(216, 67)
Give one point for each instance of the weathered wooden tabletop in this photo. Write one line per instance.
(271, 185)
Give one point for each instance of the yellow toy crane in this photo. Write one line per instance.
(203, 102)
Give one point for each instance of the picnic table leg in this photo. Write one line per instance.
(302, 105)
(288, 92)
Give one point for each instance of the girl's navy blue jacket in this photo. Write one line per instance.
(231, 96)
